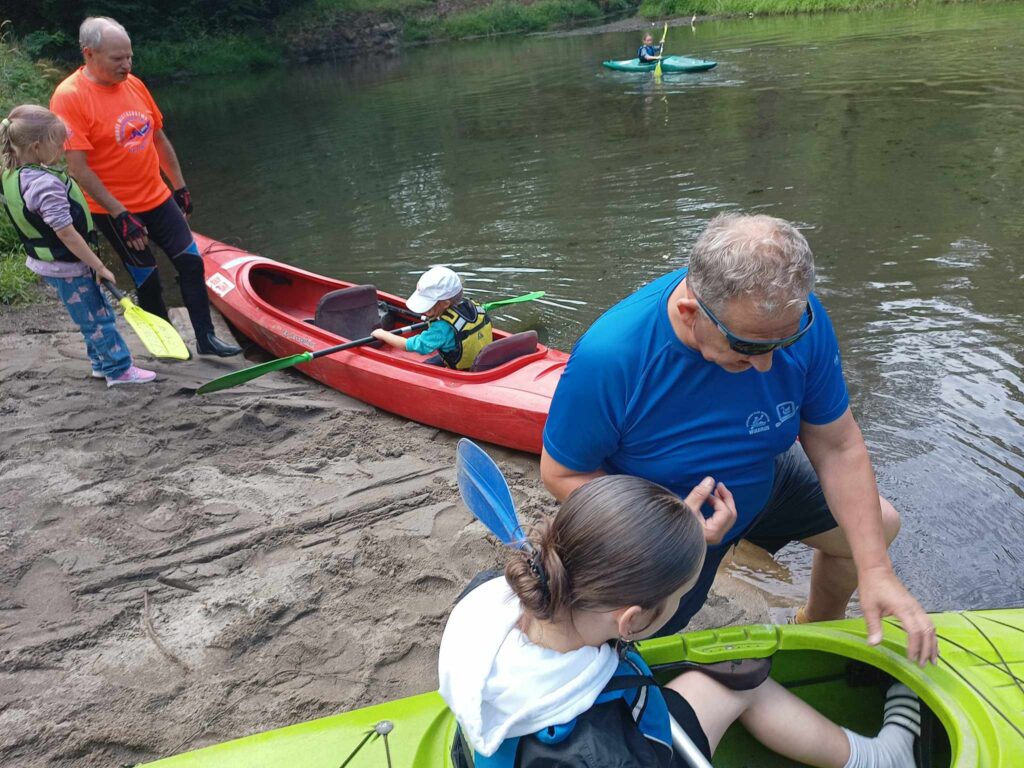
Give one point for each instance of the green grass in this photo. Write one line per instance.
(504, 17)
(207, 55)
(17, 282)
(21, 82)
(665, 8)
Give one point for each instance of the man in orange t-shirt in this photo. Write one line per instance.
(116, 149)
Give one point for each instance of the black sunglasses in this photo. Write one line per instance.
(750, 347)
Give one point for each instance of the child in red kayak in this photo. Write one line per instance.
(53, 221)
(528, 666)
(461, 328)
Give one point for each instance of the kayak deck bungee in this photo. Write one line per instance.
(668, 64)
(274, 305)
(975, 697)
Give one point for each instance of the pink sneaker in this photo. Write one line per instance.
(132, 376)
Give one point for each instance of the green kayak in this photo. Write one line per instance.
(668, 64)
(974, 698)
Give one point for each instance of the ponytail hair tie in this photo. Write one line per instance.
(533, 561)
(5, 122)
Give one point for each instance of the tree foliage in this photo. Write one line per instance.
(50, 27)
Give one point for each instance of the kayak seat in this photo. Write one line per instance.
(348, 312)
(501, 351)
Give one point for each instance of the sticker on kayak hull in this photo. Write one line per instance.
(219, 284)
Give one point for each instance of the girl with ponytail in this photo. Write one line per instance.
(538, 668)
(50, 215)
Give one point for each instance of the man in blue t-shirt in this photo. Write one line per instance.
(716, 371)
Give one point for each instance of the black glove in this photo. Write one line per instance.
(129, 226)
(184, 200)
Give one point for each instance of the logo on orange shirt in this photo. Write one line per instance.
(133, 130)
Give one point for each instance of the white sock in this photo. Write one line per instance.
(893, 747)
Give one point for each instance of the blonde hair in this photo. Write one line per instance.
(26, 125)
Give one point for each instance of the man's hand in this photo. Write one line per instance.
(883, 594)
(131, 230)
(184, 200)
(724, 515)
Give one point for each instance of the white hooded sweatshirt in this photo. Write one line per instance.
(501, 685)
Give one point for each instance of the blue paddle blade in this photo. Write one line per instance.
(486, 493)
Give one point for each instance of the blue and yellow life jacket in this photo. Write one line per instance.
(473, 332)
(39, 239)
(629, 717)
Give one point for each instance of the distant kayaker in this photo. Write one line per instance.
(116, 150)
(50, 216)
(717, 370)
(528, 666)
(648, 52)
(461, 330)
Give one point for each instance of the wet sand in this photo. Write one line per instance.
(177, 571)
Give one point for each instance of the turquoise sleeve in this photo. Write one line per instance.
(438, 337)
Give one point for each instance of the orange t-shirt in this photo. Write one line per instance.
(115, 125)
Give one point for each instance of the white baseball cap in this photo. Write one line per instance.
(436, 284)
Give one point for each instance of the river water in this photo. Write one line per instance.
(895, 140)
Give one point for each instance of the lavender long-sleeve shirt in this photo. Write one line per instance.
(45, 195)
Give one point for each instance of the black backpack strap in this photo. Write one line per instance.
(625, 682)
(462, 753)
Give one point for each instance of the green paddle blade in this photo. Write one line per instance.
(159, 337)
(235, 378)
(518, 299)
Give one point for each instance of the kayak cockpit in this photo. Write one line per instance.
(850, 693)
(349, 311)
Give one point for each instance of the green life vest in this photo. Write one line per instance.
(472, 333)
(40, 241)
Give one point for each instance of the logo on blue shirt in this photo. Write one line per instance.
(785, 411)
(757, 422)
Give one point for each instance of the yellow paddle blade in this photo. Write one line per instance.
(159, 337)
(661, 51)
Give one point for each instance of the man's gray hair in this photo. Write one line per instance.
(90, 34)
(759, 257)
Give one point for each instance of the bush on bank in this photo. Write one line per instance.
(21, 82)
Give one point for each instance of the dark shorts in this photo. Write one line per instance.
(683, 714)
(796, 510)
(167, 227)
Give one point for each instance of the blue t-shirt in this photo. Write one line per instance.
(438, 336)
(635, 400)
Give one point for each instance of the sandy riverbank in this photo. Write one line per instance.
(177, 571)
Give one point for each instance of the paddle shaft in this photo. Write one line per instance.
(685, 746)
(661, 51)
(116, 292)
(366, 340)
(486, 306)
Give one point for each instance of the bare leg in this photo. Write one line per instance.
(834, 575)
(773, 715)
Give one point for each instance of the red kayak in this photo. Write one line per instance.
(287, 310)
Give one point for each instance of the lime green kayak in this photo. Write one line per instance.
(668, 64)
(975, 696)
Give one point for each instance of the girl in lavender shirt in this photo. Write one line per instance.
(48, 212)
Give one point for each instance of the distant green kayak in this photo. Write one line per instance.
(668, 64)
(974, 698)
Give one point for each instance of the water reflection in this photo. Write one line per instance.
(896, 140)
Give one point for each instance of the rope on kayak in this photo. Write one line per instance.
(999, 655)
(952, 668)
(380, 730)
